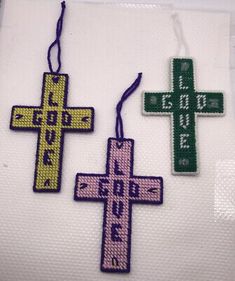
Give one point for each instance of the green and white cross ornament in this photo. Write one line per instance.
(183, 103)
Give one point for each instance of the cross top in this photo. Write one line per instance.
(183, 103)
(118, 189)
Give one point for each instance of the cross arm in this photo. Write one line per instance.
(78, 119)
(26, 117)
(146, 190)
(158, 103)
(91, 187)
(210, 103)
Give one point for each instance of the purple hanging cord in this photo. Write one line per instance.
(57, 41)
(125, 96)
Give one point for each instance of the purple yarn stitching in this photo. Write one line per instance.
(59, 27)
(119, 124)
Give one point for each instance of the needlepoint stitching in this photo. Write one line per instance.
(183, 104)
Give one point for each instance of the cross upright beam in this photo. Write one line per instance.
(183, 103)
(51, 120)
(118, 188)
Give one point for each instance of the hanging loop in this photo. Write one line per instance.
(119, 123)
(178, 30)
(56, 42)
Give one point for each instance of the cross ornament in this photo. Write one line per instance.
(183, 103)
(118, 188)
(51, 120)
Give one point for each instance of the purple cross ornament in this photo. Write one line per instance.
(118, 188)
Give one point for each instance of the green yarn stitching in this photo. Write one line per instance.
(183, 103)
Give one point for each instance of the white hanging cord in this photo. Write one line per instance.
(182, 44)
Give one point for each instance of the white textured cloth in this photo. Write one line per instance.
(52, 237)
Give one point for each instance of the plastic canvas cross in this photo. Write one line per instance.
(183, 103)
(51, 120)
(119, 189)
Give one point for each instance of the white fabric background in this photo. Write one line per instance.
(50, 236)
